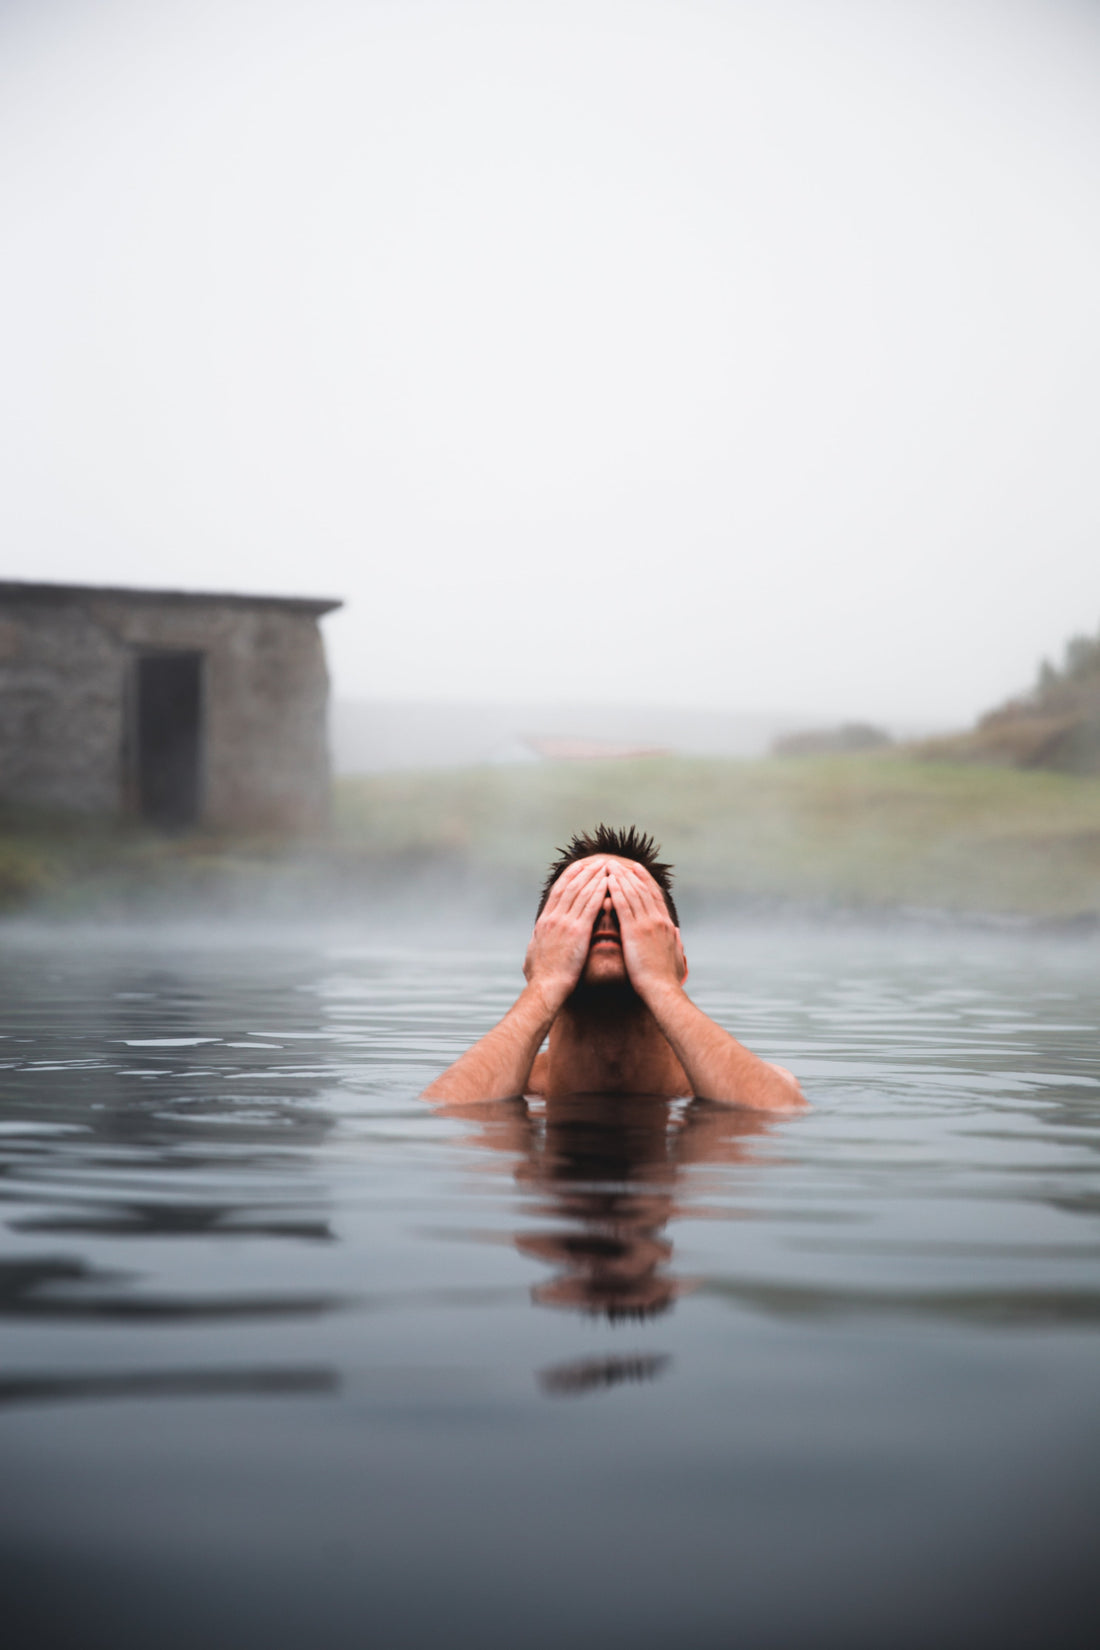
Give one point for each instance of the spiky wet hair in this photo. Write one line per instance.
(628, 843)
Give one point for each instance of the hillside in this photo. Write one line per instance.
(1055, 725)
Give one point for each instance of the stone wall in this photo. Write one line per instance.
(66, 661)
(61, 705)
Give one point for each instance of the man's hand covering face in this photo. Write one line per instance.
(652, 950)
(559, 945)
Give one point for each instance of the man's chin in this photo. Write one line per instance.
(604, 991)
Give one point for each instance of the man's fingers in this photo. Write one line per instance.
(646, 886)
(631, 868)
(578, 892)
(583, 888)
(624, 895)
(638, 887)
(572, 881)
(587, 887)
(587, 911)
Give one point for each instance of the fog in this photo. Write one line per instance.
(730, 356)
(652, 379)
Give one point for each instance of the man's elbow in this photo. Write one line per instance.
(449, 1086)
(458, 1088)
(788, 1092)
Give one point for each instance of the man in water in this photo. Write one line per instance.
(605, 974)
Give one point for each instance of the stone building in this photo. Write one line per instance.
(177, 708)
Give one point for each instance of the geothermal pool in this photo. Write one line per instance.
(290, 1359)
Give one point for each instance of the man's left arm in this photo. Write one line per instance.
(717, 1065)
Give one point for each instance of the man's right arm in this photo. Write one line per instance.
(499, 1064)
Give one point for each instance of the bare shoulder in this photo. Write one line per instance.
(536, 1083)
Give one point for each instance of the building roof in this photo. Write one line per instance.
(18, 590)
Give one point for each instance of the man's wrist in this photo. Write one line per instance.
(660, 992)
(547, 997)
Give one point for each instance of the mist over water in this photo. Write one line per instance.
(284, 1347)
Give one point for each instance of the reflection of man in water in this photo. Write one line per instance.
(604, 1171)
(606, 1168)
(605, 976)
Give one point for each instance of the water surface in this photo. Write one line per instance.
(289, 1358)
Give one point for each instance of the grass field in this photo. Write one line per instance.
(856, 831)
(878, 831)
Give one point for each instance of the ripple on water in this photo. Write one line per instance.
(598, 1363)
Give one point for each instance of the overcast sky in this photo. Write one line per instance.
(730, 353)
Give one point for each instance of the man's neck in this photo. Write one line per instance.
(605, 1041)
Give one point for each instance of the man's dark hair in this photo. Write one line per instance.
(629, 843)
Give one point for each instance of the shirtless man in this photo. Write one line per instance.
(605, 974)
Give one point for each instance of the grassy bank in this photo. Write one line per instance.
(878, 831)
(859, 831)
(66, 865)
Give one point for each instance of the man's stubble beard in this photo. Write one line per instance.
(604, 1000)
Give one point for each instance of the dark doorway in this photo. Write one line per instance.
(169, 737)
